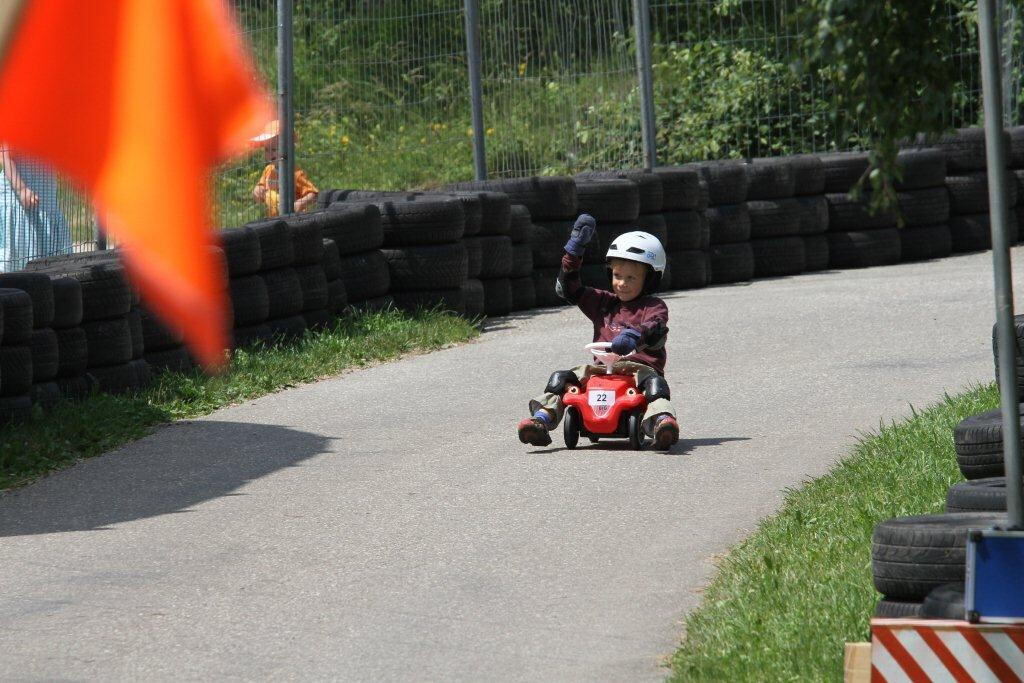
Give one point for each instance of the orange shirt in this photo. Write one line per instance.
(268, 179)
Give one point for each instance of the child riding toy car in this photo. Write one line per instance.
(602, 406)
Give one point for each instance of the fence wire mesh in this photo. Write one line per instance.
(381, 94)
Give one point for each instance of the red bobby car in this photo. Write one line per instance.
(604, 406)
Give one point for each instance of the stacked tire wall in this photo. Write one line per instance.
(689, 235)
(730, 255)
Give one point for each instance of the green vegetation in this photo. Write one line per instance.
(787, 598)
(82, 429)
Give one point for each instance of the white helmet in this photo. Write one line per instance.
(642, 247)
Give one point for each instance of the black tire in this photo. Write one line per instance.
(122, 378)
(421, 220)
(685, 230)
(524, 294)
(653, 223)
(704, 195)
(337, 296)
(808, 175)
(815, 252)
(608, 199)
(863, 249)
(911, 556)
(973, 233)
(473, 213)
(897, 609)
(978, 441)
(284, 292)
(544, 287)
(307, 238)
(15, 370)
(318, 320)
(156, 336)
(453, 300)
(109, 342)
(495, 211)
(474, 256)
(843, 170)
(728, 223)
(731, 262)
(770, 179)
(355, 228)
(968, 193)
(104, 288)
(965, 150)
(77, 387)
(547, 197)
(250, 303)
(72, 351)
(366, 275)
(287, 329)
(571, 427)
(15, 409)
(979, 495)
(813, 215)
(650, 191)
(680, 188)
(40, 291)
(436, 266)
(497, 296)
(313, 283)
(595, 275)
(276, 249)
(924, 207)
(16, 318)
(522, 260)
(241, 251)
(1016, 150)
(143, 374)
(519, 226)
(846, 214)
(1018, 324)
(45, 395)
(923, 242)
(495, 256)
(774, 218)
(636, 434)
(251, 335)
(689, 269)
(547, 241)
(473, 294)
(135, 333)
(67, 302)
(945, 602)
(726, 180)
(175, 359)
(778, 256)
(920, 168)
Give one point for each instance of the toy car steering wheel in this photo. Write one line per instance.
(603, 355)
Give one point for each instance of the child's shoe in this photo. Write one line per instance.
(534, 430)
(666, 432)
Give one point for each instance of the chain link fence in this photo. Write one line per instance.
(381, 92)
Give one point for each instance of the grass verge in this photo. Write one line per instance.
(82, 429)
(786, 599)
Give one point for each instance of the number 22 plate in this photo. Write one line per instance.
(601, 397)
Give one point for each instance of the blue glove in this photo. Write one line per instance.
(625, 342)
(582, 232)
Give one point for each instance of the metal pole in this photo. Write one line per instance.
(998, 210)
(285, 111)
(642, 27)
(475, 89)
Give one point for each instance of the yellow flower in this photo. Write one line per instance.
(345, 140)
(490, 131)
(469, 132)
(423, 141)
(522, 68)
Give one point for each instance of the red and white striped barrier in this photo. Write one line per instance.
(923, 650)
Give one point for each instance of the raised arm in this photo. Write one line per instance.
(25, 195)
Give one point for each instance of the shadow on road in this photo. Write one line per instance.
(683, 447)
(176, 468)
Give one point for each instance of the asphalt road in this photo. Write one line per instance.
(387, 524)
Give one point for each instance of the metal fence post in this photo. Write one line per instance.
(995, 151)
(473, 61)
(642, 28)
(285, 110)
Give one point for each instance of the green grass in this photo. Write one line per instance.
(75, 430)
(786, 599)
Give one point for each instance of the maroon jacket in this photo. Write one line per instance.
(648, 315)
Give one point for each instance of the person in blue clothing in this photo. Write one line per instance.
(31, 222)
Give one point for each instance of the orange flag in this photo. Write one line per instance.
(136, 101)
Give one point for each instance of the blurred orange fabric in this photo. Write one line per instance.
(137, 101)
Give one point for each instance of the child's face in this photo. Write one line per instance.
(627, 278)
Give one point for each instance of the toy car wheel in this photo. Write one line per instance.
(571, 427)
(636, 434)
(593, 439)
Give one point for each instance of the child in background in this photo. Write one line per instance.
(266, 190)
(630, 317)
